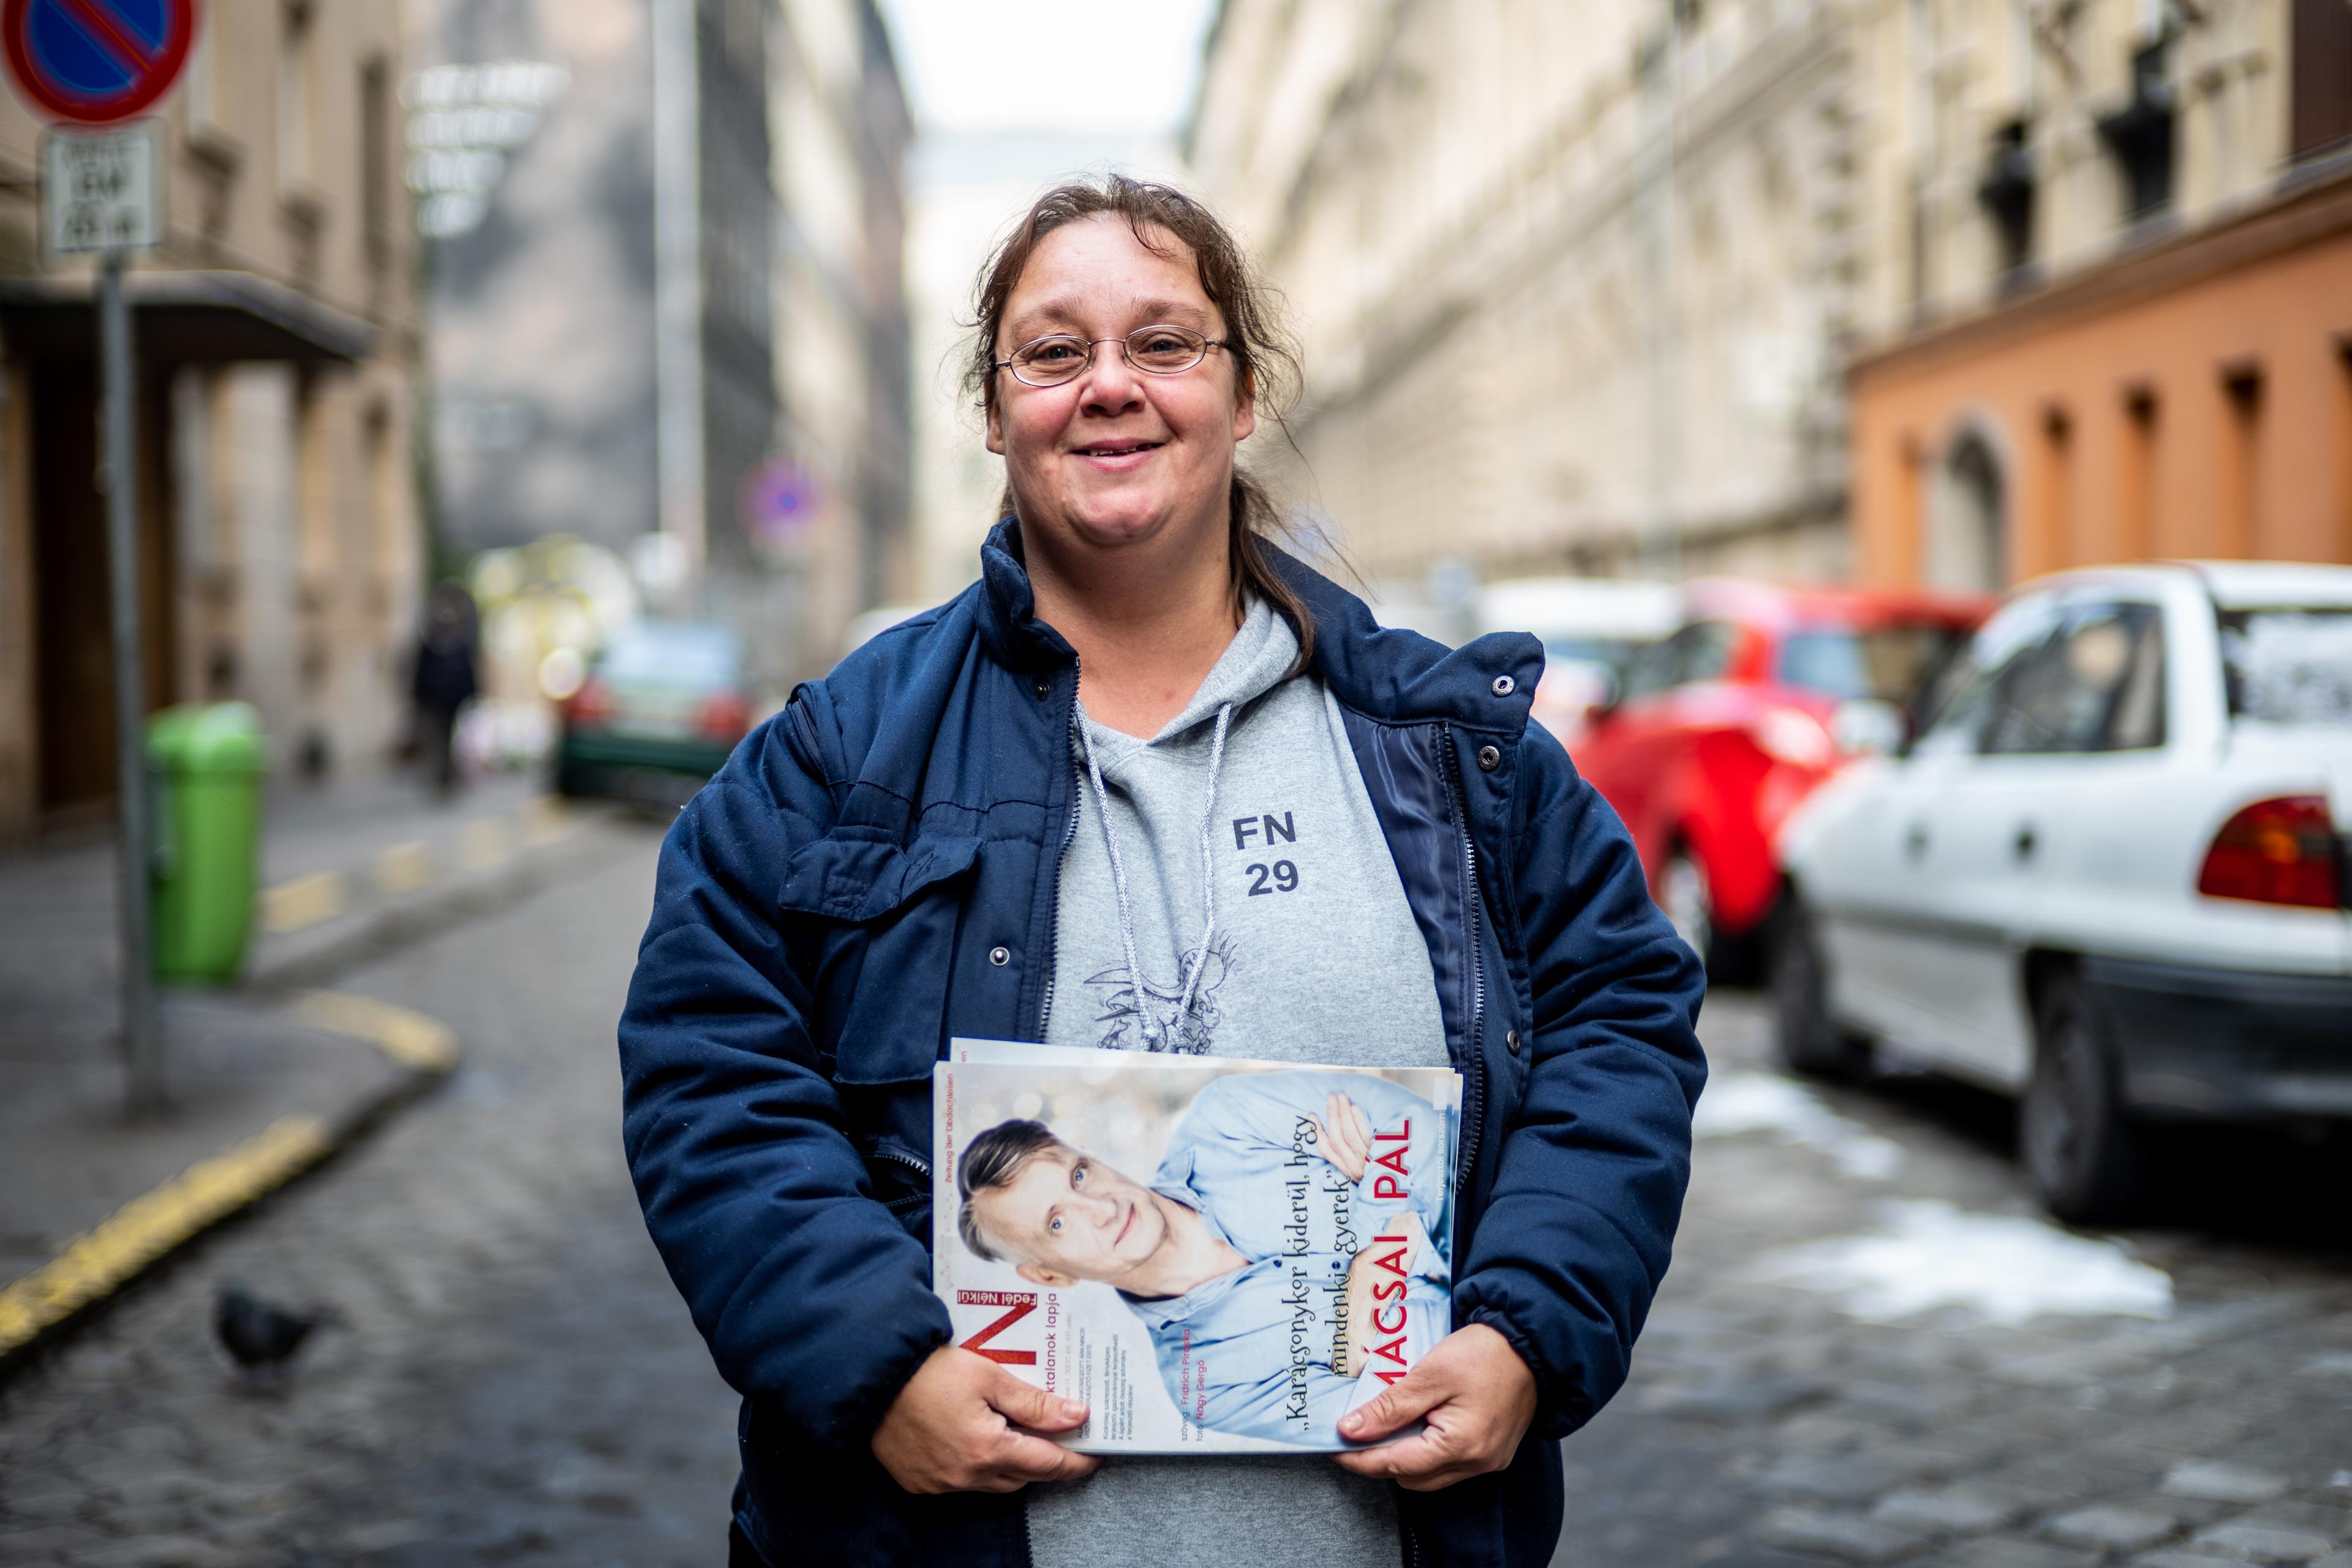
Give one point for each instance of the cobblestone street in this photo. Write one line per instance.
(1871, 1347)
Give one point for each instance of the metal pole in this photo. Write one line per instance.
(678, 288)
(143, 1044)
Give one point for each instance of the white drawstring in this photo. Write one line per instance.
(1154, 1030)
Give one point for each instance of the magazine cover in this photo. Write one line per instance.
(1216, 1255)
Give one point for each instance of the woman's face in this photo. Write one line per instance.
(1117, 457)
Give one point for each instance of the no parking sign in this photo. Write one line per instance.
(96, 62)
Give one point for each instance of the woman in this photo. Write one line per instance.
(1150, 784)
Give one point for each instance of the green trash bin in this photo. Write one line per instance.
(205, 768)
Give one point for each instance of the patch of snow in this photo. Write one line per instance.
(1930, 1254)
(1767, 1102)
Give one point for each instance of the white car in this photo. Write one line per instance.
(2109, 878)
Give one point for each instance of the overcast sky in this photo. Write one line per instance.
(1124, 66)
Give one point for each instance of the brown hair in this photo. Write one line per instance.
(1265, 359)
(995, 1159)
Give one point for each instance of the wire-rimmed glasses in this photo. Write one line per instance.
(1058, 357)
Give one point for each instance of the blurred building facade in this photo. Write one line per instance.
(1573, 281)
(843, 341)
(2109, 314)
(280, 544)
(774, 324)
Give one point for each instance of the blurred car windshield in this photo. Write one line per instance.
(689, 655)
(2289, 666)
(1611, 652)
(1893, 664)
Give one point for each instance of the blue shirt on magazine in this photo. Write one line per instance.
(1249, 1352)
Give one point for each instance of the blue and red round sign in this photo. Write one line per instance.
(97, 61)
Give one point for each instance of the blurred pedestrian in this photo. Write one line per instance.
(444, 681)
(959, 833)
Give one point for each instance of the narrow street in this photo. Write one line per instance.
(514, 1382)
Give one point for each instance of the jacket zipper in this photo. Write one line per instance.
(911, 1161)
(1474, 1112)
(1054, 914)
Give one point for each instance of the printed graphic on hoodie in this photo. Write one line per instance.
(1192, 1034)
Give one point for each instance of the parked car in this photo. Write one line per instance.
(1591, 628)
(1725, 726)
(655, 715)
(2109, 879)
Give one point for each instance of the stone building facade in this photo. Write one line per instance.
(1574, 281)
(2110, 310)
(841, 129)
(281, 549)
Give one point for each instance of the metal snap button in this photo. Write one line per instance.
(1511, 1039)
(1045, 687)
(1000, 956)
(1489, 759)
(1504, 686)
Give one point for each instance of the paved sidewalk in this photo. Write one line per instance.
(265, 1078)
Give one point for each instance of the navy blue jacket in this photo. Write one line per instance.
(875, 870)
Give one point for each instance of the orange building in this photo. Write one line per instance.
(2108, 299)
(2191, 400)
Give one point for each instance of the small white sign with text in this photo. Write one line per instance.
(100, 190)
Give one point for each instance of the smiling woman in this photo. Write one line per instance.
(1126, 460)
(1151, 783)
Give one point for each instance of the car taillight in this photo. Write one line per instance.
(723, 716)
(590, 706)
(2278, 851)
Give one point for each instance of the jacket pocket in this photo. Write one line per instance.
(885, 968)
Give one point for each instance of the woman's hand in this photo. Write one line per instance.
(955, 1428)
(1477, 1397)
(1344, 1136)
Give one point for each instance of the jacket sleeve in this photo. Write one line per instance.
(1588, 1187)
(812, 1296)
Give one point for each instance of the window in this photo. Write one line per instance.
(2140, 136)
(376, 160)
(1700, 651)
(2097, 686)
(2005, 190)
(1954, 712)
(2289, 666)
(295, 99)
(1892, 664)
(2321, 88)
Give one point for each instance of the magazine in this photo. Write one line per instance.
(1215, 1255)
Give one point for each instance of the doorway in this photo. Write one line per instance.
(73, 646)
(1968, 520)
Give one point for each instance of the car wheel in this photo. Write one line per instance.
(2086, 1158)
(1687, 902)
(1810, 1039)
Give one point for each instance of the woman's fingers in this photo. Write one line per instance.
(1023, 1458)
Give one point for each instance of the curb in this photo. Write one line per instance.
(295, 960)
(97, 1266)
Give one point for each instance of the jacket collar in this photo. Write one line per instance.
(1385, 673)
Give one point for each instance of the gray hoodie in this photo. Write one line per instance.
(1311, 955)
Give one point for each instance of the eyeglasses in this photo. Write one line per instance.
(1157, 351)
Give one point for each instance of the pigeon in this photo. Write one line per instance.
(261, 1335)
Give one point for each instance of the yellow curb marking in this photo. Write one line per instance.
(546, 819)
(412, 1039)
(403, 867)
(483, 844)
(97, 1263)
(305, 901)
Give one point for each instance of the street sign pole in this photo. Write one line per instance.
(91, 67)
(143, 1040)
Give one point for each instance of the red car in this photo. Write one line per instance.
(1725, 726)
